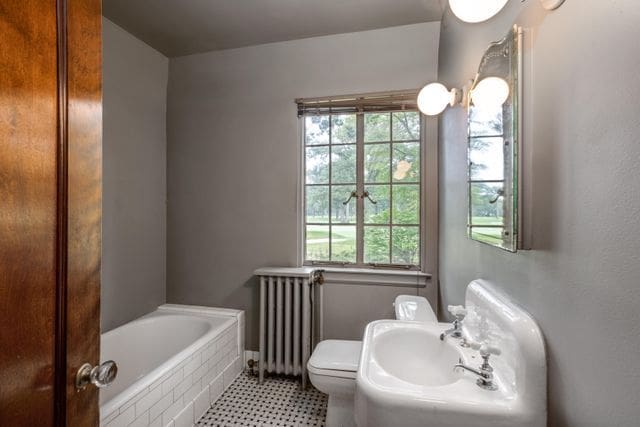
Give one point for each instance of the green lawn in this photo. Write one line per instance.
(492, 236)
(487, 220)
(344, 243)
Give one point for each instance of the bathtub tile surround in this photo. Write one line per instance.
(278, 402)
(182, 384)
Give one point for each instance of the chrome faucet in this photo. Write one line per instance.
(485, 372)
(456, 332)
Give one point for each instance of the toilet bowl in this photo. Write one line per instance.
(332, 370)
(334, 363)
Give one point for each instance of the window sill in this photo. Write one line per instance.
(374, 277)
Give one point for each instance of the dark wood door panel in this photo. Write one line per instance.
(50, 209)
(84, 97)
(28, 108)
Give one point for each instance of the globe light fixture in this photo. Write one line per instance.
(434, 98)
(474, 11)
(490, 93)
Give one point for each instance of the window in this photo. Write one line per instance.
(363, 189)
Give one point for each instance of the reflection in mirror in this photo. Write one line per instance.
(492, 146)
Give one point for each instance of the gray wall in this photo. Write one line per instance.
(582, 279)
(134, 177)
(233, 150)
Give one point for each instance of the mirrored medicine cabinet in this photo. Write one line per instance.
(494, 141)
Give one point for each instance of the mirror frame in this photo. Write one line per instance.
(510, 47)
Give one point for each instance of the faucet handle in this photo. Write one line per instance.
(485, 349)
(458, 311)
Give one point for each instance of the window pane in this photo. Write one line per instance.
(343, 129)
(377, 127)
(317, 163)
(376, 163)
(317, 203)
(406, 204)
(376, 244)
(483, 212)
(316, 130)
(341, 213)
(343, 164)
(486, 158)
(406, 162)
(317, 242)
(491, 235)
(406, 126)
(405, 246)
(377, 213)
(485, 121)
(343, 243)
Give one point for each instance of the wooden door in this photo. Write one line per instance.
(50, 209)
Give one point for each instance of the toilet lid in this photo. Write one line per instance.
(336, 355)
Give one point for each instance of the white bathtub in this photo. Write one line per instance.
(173, 364)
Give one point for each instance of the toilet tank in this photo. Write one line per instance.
(415, 308)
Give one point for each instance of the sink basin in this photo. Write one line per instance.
(406, 373)
(404, 352)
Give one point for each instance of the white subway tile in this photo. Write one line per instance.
(228, 376)
(182, 364)
(148, 400)
(157, 422)
(199, 373)
(124, 418)
(181, 388)
(171, 382)
(192, 392)
(216, 387)
(141, 420)
(160, 380)
(220, 367)
(111, 416)
(201, 403)
(192, 365)
(237, 364)
(185, 417)
(134, 400)
(172, 411)
(208, 376)
(161, 406)
(209, 351)
(218, 356)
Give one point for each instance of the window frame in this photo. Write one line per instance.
(426, 256)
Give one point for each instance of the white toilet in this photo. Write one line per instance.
(334, 363)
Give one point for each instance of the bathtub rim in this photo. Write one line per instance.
(148, 380)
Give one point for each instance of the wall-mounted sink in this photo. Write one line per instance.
(402, 350)
(406, 375)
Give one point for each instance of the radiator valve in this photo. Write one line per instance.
(317, 277)
(251, 363)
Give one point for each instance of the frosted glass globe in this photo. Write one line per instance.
(490, 92)
(476, 10)
(433, 99)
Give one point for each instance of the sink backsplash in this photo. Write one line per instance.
(493, 319)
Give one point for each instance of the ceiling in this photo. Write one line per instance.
(182, 27)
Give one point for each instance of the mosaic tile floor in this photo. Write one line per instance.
(277, 402)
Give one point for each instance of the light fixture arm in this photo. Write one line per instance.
(551, 4)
